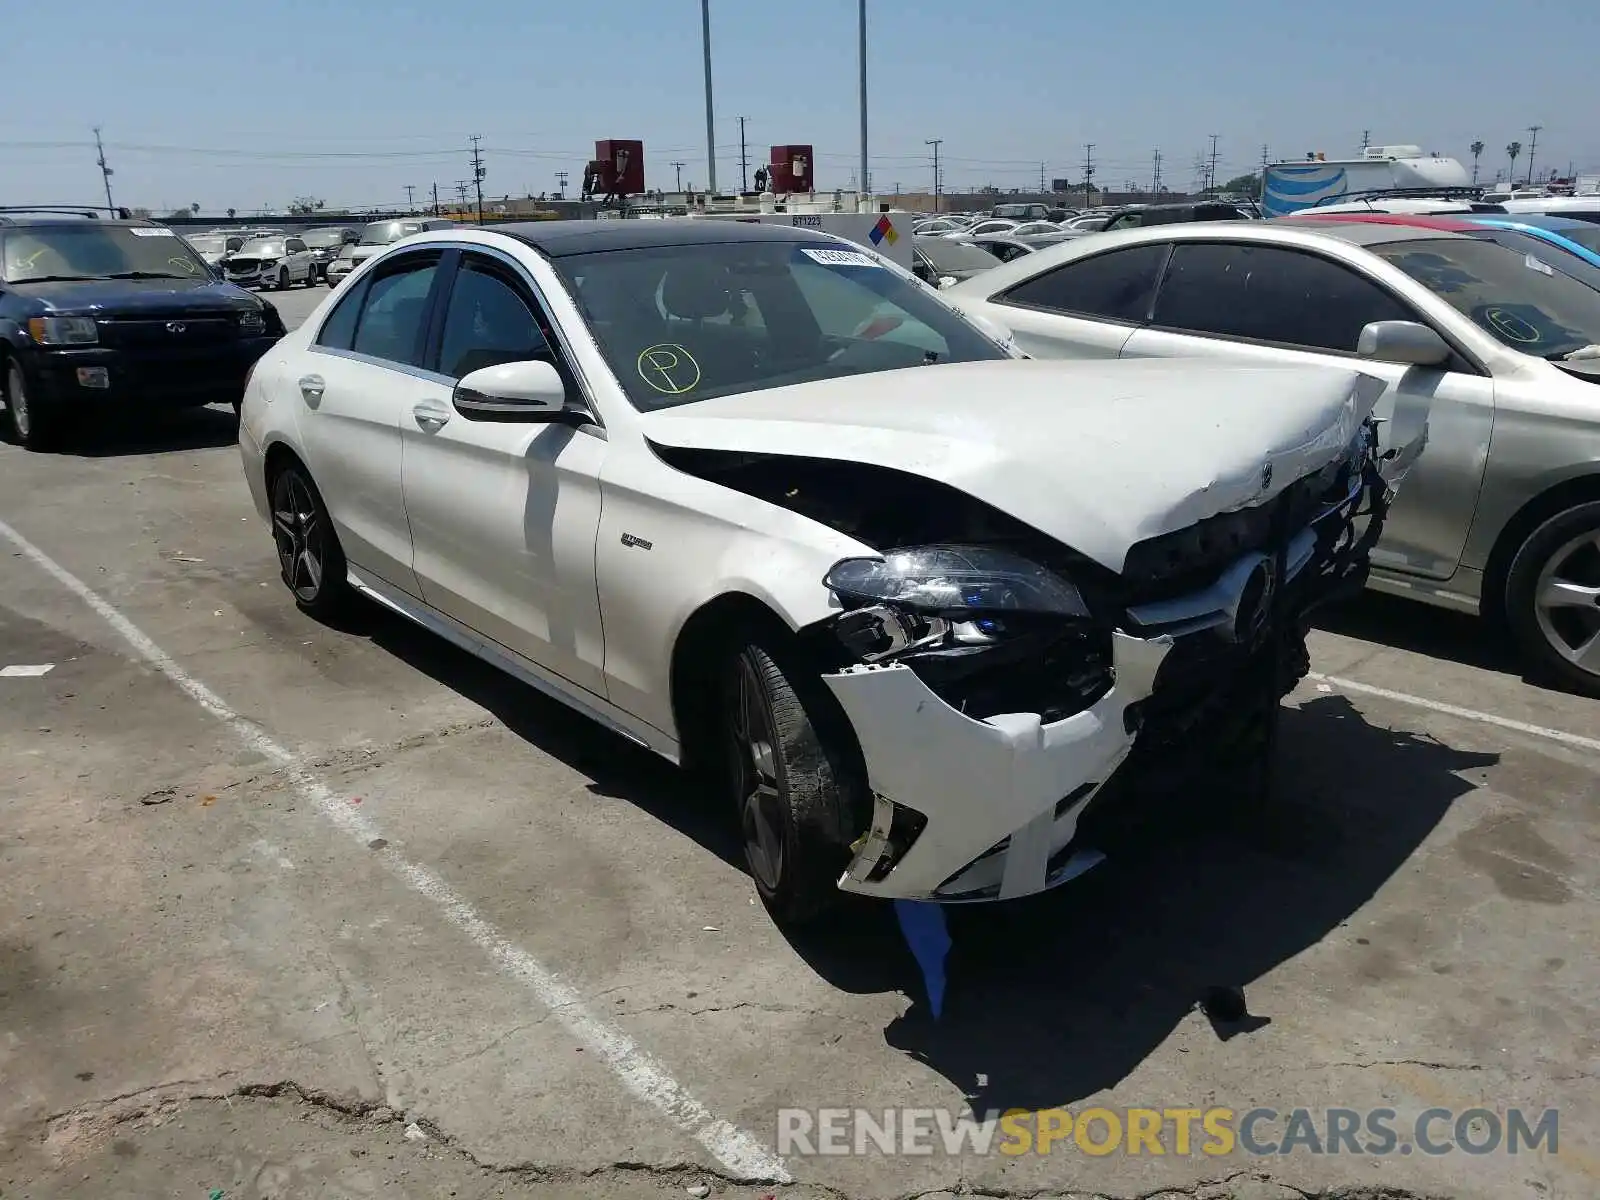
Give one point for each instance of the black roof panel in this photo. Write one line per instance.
(558, 239)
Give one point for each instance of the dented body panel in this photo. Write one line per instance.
(1098, 456)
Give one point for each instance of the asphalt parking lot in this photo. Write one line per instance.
(289, 910)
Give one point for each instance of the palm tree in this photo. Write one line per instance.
(231, 211)
(1477, 152)
(1514, 149)
(195, 208)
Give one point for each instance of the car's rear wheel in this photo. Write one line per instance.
(310, 559)
(789, 786)
(31, 421)
(1553, 598)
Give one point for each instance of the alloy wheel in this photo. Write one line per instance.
(761, 806)
(1567, 602)
(17, 402)
(298, 530)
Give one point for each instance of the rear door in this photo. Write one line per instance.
(363, 377)
(1255, 303)
(1086, 308)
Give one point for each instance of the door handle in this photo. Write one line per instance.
(429, 418)
(311, 387)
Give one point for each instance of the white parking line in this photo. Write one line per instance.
(742, 1154)
(1466, 714)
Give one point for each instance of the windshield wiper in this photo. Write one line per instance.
(148, 275)
(53, 279)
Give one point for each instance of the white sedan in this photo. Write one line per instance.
(1490, 355)
(760, 501)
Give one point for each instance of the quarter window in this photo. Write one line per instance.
(487, 323)
(394, 313)
(339, 330)
(1270, 294)
(1117, 286)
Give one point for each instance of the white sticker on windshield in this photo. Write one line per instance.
(841, 258)
(147, 231)
(1533, 264)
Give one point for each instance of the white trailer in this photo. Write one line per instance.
(1294, 186)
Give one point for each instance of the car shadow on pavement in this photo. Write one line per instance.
(616, 768)
(1061, 996)
(171, 432)
(1423, 629)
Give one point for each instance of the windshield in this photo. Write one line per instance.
(381, 233)
(1526, 304)
(678, 324)
(97, 251)
(949, 256)
(208, 245)
(319, 239)
(262, 247)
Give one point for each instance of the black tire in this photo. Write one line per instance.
(30, 421)
(285, 280)
(790, 786)
(310, 559)
(1565, 548)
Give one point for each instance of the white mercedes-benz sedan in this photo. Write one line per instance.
(757, 499)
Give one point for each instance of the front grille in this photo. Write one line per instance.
(168, 332)
(243, 266)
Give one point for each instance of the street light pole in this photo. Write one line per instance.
(711, 124)
(860, 195)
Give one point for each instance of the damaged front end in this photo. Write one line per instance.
(997, 686)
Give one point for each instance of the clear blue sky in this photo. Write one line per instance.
(247, 105)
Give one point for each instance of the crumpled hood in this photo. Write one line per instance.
(1099, 456)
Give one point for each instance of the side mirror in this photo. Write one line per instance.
(1405, 342)
(530, 391)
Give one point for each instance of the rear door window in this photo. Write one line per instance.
(395, 311)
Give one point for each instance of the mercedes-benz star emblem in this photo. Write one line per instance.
(176, 327)
(1266, 476)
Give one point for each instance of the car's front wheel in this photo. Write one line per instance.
(790, 782)
(1553, 598)
(310, 559)
(32, 421)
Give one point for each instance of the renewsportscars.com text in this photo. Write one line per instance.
(1213, 1132)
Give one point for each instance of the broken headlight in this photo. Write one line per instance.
(986, 629)
(957, 582)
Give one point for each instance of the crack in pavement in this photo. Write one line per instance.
(1405, 1062)
(165, 1100)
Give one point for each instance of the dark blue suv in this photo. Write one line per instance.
(118, 314)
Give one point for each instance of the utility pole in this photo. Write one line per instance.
(1042, 191)
(861, 53)
(561, 184)
(1264, 156)
(105, 171)
(1533, 144)
(436, 197)
(711, 125)
(1155, 178)
(461, 192)
(1366, 140)
(410, 201)
(478, 173)
(678, 165)
(1088, 172)
(744, 159)
(1211, 172)
(935, 143)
